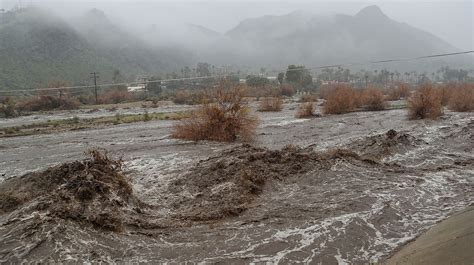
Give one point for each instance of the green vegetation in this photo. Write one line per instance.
(298, 76)
(257, 81)
(41, 47)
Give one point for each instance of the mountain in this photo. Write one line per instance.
(193, 38)
(303, 38)
(203, 31)
(37, 47)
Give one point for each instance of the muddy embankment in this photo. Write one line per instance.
(449, 242)
(355, 203)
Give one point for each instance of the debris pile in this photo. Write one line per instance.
(227, 184)
(381, 145)
(93, 191)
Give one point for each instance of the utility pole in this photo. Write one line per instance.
(95, 76)
(145, 80)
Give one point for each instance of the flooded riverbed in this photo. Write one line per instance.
(325, 206)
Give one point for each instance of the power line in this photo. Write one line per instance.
(385, 61)
(220, 76)
(116, 84)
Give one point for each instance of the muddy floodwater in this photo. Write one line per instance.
(352, 188)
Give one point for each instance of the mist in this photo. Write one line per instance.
(160, 38)
(450, 20)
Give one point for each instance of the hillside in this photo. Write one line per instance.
(308, 39)
(37, 47)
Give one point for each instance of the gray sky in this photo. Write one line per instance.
(451, 20)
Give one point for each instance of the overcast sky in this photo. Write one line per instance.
(451, 20)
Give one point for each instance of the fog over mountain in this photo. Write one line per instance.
(68, 43)
(308, 39)
(451, 20)
(36, 47)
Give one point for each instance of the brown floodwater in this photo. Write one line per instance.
(338, 209)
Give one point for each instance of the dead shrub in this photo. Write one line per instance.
(358, 98)
(249, 91)
(154, 102)
(261, 92)
(373, 99)
(425, 103)
(400, 91)
(48, 103)
(271, 104)
(324, 91)
(287, 90)
(255, 92)
(306, 110)
(7, 108)
(181, 97)
(225, 119)
(115, 96)
(445, 91)
(404, 90)
(341, 99)
(309, 98)
(190, 98)
(462, 98)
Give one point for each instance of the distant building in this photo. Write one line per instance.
(138, 88)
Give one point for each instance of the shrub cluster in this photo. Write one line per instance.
(181, 97)
(425, 103)
(373, 99)
(325, 90)
(341, 99)
(115, 97)
(445, 92)
(7, 108)
(190, 98)
(461, 98)
(309, 98)
(48, 103)
(305, 110)
(401, 90)
(271, 104)
(287, 90)
(224, 119)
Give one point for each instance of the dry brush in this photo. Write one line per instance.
(225, 119)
